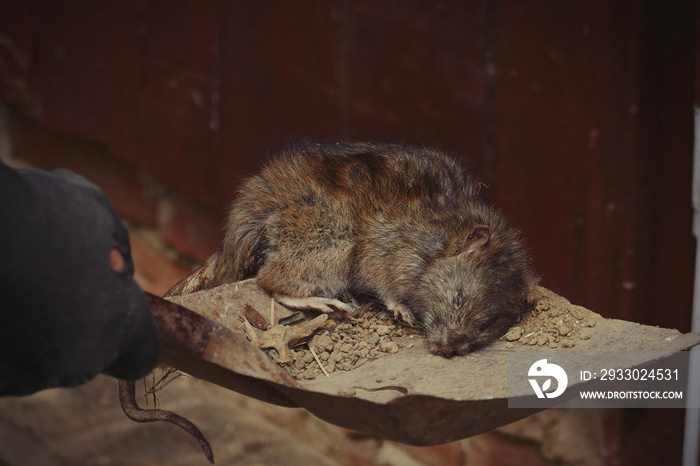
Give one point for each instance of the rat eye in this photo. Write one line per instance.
(458, 299)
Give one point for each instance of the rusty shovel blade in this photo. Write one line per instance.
(209, 351)
(412, 396)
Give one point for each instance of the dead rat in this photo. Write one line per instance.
(404, 224)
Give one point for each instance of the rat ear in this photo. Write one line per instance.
(477, 239)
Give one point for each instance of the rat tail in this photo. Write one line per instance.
(127, 398)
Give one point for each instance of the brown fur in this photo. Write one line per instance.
(404, 224)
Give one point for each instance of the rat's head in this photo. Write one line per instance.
(474, 295)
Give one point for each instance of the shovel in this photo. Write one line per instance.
(412, 396)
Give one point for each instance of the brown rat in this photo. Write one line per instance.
(404, 224)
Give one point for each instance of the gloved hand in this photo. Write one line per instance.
(69, 306)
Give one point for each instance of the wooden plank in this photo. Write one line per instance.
(564, 97)
(353, 70)
(666, 129)
(179, 94)
(279, 79)
(574, 123)
(416, 73)
(593, 137)
(86, 65)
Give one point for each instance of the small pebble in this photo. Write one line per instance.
(514, 334)
(373, 339)
(567, 343)
(382, 330)
(579, 312)
(321, 342)
(336, 356)
(390, 347)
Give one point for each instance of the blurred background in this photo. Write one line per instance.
(577, 115)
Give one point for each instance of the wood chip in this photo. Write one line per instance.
(319, 362)
(255, 318)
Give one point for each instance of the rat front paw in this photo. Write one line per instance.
(314, 303)
(405, 313)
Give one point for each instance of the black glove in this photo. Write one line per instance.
(66, 314)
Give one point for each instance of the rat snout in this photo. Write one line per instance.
(444, 350)
(449, 342)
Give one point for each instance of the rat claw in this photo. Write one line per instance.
(403, 311)
(314, 303)
(406, 316)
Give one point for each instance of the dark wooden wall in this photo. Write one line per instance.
(578, 115)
